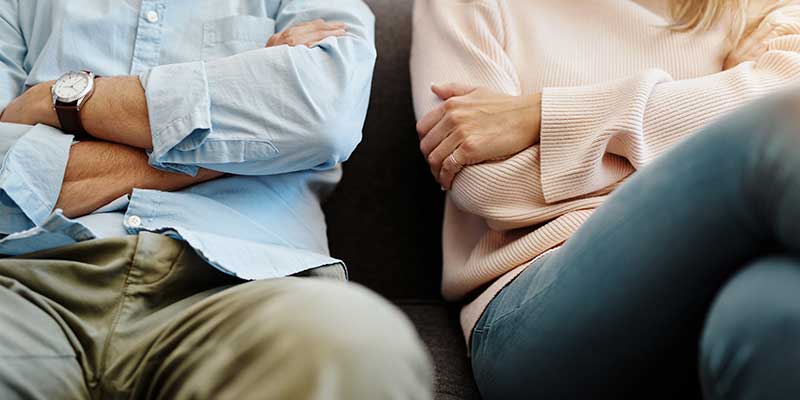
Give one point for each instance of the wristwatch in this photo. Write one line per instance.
(70, 92)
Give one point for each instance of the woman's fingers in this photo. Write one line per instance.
(474, 126)
(451, 166)
(444, 92)
(429, 120)
(435, 136)
(438, 156)
(449, 90)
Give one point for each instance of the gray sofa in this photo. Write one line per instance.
(384, 220)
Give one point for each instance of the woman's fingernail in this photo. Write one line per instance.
(443, 189)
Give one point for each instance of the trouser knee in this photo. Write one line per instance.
(332, 340)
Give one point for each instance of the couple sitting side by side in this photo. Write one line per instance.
(161, 232)
(579, 283)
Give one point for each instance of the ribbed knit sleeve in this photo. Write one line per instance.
(459, 41)
(593, 135)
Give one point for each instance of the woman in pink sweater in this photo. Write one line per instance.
(531, 113)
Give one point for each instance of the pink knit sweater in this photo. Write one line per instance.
(619, 89)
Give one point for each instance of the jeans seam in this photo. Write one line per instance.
(516, 308)
(475, 336)
(536, 261)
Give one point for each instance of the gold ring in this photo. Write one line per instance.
(455, 162)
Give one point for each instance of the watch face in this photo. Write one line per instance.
(72, 86)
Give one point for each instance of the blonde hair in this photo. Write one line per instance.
(690, 15)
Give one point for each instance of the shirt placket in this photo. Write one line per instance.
(147, 48)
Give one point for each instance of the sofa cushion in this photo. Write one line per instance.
(439, 330)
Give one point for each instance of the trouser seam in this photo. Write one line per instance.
(169, 270)
(125, 296)
(107, 343)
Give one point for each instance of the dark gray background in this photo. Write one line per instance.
(385, 218)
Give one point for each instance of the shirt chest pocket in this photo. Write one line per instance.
(236, 34)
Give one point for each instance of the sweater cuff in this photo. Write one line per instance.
(578, 125)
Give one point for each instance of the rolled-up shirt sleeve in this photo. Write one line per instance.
(267, 111)
(31, 175)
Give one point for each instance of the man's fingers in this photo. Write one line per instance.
(327, 25)
(309, 38)
(308, 33)
(449, 90)
(319, 25)
(319, 36)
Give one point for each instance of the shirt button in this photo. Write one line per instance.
(134, 221)
(152, 17)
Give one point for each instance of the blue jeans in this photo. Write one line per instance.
(691, 269)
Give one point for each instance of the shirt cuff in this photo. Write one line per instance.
(179, 107)
(32, 174)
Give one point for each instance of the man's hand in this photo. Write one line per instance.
(475, 125)
(35, 106)
(307, 34)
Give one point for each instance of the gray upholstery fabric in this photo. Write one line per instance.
(385, 218)
(438, 326)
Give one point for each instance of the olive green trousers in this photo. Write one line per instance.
(144, 317)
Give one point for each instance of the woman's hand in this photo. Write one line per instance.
(475, 125)
(307, 34)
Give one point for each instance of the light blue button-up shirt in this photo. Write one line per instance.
(280, 120)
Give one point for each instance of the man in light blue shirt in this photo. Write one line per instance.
(161, 181)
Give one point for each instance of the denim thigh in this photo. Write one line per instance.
(618, 309)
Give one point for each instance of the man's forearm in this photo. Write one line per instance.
(117, 112)
(99, 172)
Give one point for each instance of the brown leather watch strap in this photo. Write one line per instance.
(69, 116)
(70, 119)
